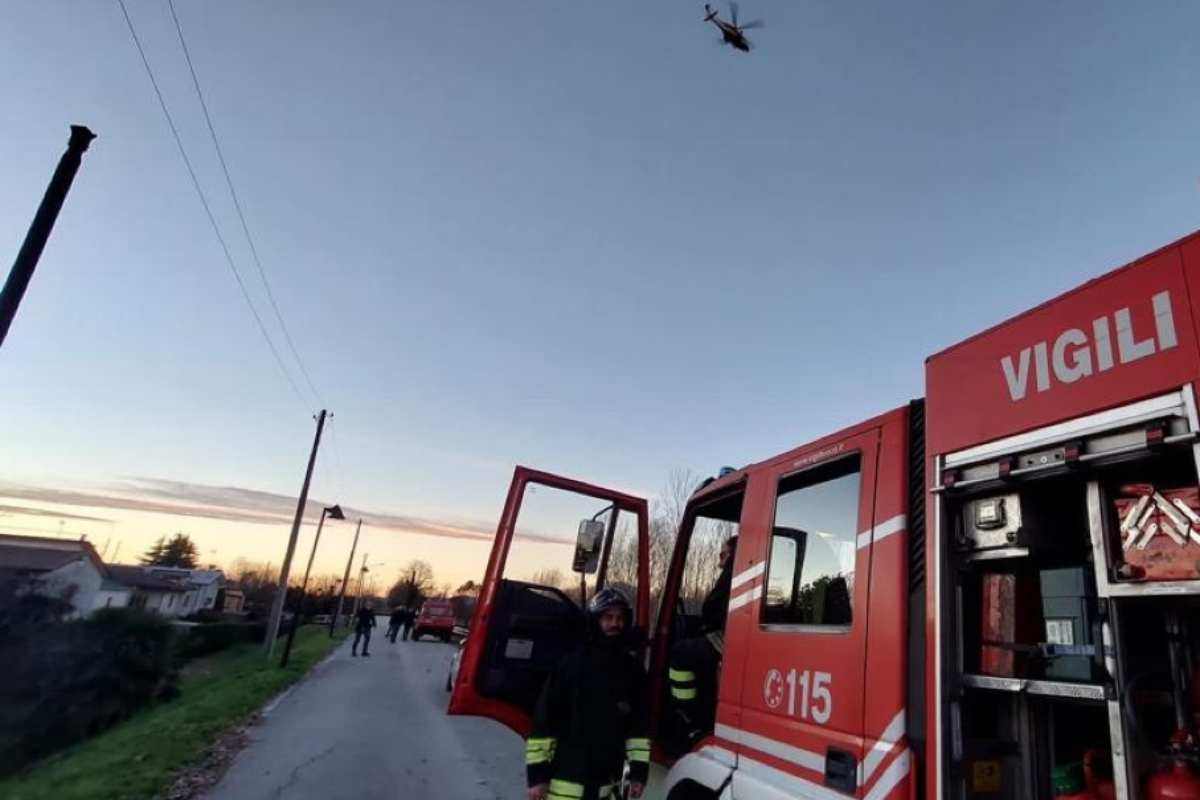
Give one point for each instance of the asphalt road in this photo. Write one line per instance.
(367, 728)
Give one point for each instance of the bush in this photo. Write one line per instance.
(199, 640)
(64, 682)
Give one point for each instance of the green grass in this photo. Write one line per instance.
(136, 759)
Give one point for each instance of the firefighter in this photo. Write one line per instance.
(591, 716)
(410, 616)
(394, 623)
(695, 663)
(364, 620)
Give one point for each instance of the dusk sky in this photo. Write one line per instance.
(579, 236)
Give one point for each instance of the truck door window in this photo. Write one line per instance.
(810, 574)
(714, 524)
(544, 544)
(619, 566)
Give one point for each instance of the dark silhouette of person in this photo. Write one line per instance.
(364, 620)
(394, 623)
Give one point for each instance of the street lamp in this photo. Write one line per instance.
(333, 512)
(362, 579)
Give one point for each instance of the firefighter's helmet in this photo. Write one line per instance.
(606, 598)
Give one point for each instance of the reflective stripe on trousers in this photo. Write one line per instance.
(569, 790)
(564, 790)
(683, 683)
(637, 750)
(539, 751)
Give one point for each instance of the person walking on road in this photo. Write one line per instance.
(591, 716)
(394, 623)
(409, 617)
(364, 620)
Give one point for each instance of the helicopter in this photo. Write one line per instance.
(731, 33)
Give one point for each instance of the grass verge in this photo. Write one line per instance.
(136, 759)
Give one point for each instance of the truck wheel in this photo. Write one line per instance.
(690, 790)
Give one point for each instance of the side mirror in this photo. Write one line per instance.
(587, 547)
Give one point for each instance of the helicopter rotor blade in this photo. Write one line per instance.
(733, 11)
(752, 24)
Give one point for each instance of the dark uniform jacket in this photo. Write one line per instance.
(716, 604)
(590, 718)
(364, 620)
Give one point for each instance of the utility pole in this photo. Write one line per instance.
(42, 225)
(345, 579)
(281, 593)
(362, 576)
(333, 512)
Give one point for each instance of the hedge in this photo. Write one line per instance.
(66, 681)
(200, 640)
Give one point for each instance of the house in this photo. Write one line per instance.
(201, 586)
(171, 591)
(67, 569)
(231, 601)
(150, 592)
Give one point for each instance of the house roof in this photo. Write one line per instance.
(139, 578)
(195, 577)
(38, 554)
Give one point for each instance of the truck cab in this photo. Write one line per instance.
(813, 686)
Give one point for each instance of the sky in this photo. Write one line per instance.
(583, 237)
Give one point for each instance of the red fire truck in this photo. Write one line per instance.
(989, 593)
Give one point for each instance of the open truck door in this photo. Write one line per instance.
(557, 543)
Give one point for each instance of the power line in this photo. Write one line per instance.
(237, 204)
(207, 209)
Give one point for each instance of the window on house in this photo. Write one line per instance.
(810, 574)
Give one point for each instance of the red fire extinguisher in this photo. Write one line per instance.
(1098, 776)
(1176, 782)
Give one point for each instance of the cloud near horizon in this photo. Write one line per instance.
(234, 504)
(29, 511)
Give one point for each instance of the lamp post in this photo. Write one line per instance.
(345, 580)
(43, 223)
(362, 576)
(333, 512)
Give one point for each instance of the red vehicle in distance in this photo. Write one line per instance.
(435, 619)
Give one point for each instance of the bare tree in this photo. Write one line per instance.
(415, 584)
(550, 576)
(258, 582)
(623, 556)
(666, 514)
